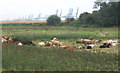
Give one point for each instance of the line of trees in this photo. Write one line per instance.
(107, 15)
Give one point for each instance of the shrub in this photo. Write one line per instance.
(53, 20)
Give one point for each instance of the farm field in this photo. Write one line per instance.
(39, 58)
(5, 22)
(37, 21)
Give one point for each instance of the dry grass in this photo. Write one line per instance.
(5, 22)
(39, 21)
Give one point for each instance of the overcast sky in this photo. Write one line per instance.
(12, 9)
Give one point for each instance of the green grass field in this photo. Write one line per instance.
(37, 58)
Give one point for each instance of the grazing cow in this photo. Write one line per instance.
(91, 46)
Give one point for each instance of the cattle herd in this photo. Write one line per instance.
(88, 43)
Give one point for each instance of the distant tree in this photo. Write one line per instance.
(90, 20)
(69, 20)
(86, 18)
(53, 20)
(83, 14)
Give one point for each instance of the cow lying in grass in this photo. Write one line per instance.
(53, 42)
(16, 41)
(85, 41)
(45, 43)
(6, 39)
(105, 45)
(89, 43)
(80, 47)
(97, 41)
(68, 47)
(3, 39)
(56, 42)
(27, 43)
(91, 38)
(109, 43)
(10, 40)
(91, 46)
